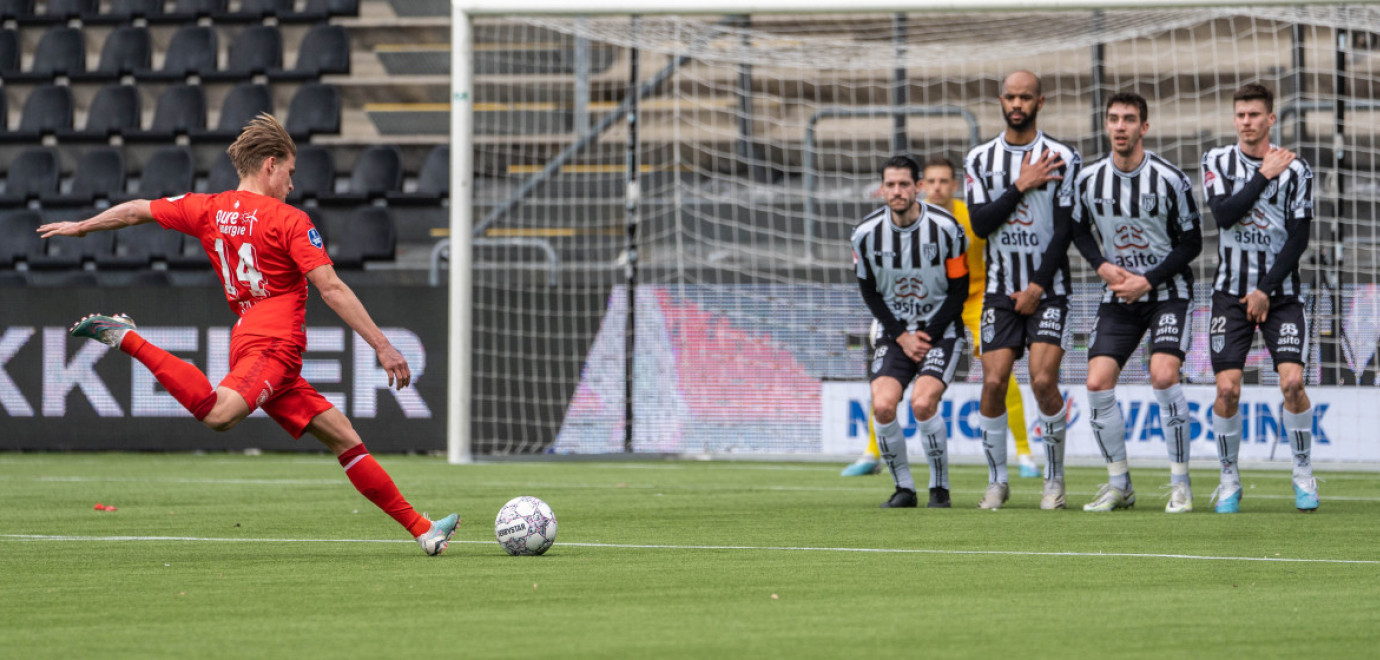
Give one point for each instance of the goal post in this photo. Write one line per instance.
(756, 128)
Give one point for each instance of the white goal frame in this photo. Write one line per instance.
(460, 338)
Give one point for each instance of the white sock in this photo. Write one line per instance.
(1178, 473)
(1227, 431)
(1174, 420)
(1299, 428)
(1053, 429)
(891, 440)
(1119, 474)
(994, 446)
(934, 437)
(1108, 425)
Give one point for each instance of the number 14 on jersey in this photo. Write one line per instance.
(245, 272)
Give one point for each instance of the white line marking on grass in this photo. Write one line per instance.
(185, 480)
(630, 546)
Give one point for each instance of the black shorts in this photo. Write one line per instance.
(940, 362)
(1121, 327)
(1002, 327)
(1285, 331)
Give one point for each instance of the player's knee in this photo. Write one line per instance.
(1229, 393)
(1044, 384)
(1164, 380)
(925, 409)
(884, 413)
(220, 422)
(1292, 386)
(1100, 382)
(994, 383)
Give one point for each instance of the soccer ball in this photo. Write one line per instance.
(525, 526)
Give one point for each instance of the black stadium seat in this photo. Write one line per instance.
(190, 10)
(433, 181)
(244, 102)
(315, 110)
(19, 240)
(377, 173)
(223, 176)
(9, 53)
(255, 10)
(32, 174)
(114, 111)
(169, 172)
(100, 175)
(315, 173)
(142, 245)
(47, 111)
(181, 110)
(16, 9)
(60, 52)
(257, 49)
(325, 49)
(61, 11)
(127, 50)
(192, 51)
(365, 235)
(124, 11)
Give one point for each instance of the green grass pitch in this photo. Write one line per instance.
(271, 558)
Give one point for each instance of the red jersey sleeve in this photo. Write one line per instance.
(183, 213)
(305, 245)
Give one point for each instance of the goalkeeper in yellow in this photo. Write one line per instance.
(939, 184)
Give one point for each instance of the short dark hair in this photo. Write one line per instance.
(940, 161)
(905, 163)
(1130, 98)
(1255, 92)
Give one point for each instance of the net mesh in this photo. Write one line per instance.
(758, 140)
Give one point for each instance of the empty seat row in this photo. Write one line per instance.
(34, 176)
(117, 110)
(120, 11)
(352, 238)
(325, 49)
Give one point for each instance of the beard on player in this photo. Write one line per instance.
(1021, 124)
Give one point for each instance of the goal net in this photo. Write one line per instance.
(668, 198)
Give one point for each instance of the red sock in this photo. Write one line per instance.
(182, 379)
(373, 482)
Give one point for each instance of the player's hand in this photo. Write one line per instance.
(60, 229)
(1257, 306)
(399, 375)
(1112, 273)
(1276, 161)
(1038, 172)
(1028, 299)
(914, 347)
(1131, 288)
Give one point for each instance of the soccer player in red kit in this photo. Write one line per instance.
(265, 253)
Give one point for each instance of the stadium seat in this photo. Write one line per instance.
(170, 171)
(367, 234)
(325, 49)
(223, 176)
(319, 11)
(4, 116)
(192, 51)
(123, 11)
(19, 240)
(244, 102)
(126, 51)
(140, 246)
(257, 49)
(315, 173)
(315, 110)
(100, 175)
(16, 9)
(377, 173)
(181, 110)
(60, 52)
(254, 11)
(32, 174)
(47, 111)
(114, 111)
(189, 10)
(9, 53)
(433, 181)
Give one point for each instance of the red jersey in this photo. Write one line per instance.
(262, 250)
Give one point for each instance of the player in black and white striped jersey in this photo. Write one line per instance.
(912, 270)
(1262, 199)
(1142, 210)
(1020, 198)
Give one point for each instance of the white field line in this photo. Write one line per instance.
(756, 548)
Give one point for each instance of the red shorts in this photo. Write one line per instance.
(267, 372)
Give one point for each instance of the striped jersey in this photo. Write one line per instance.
(1247, 250)
(1016, 249)
(1139, 217)
(908, 263)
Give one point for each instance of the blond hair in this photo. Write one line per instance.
(262, 138)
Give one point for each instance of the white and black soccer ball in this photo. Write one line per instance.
(525, 526)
